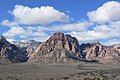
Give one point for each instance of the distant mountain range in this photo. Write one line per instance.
(27, 47)
(59, 48)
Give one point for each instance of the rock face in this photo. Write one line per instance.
(95, 51)
(112, 56)
(58, 48)
(100, 53)
(10, 53)
(65, 48)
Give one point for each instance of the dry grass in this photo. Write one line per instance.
(28, 71)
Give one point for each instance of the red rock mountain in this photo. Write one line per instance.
(58, 48)
(65, 48)
(100, 53)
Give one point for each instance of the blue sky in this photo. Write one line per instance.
(78, 8)
(79, 18)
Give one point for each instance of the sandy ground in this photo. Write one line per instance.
(79, 71)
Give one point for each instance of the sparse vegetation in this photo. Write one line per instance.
(64, 71)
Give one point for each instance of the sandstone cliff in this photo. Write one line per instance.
(58, 48)
(65, 48)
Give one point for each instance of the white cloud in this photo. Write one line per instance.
(112, 41)
(38, 15)
(35, 33)
(109, 31)
(109, 11)
(39, 33)
(87, 36)
(14, 31)
(8, 23)
(79, 26)
(26, 33)
(79, 30)
(107, 18)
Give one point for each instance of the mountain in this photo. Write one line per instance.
(9, 53)
(27, 47)
(93, 51)
(100, 53)
(60, 48)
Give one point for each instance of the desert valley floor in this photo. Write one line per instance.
(64, 71)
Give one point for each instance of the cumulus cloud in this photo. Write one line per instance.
(79, 30)
(8, 23)
(38, 15)
(79, 26)
(103, 23)
(110, 30)
(109, 11)
(98, 33)
(26, 33)
(35, 33)
(30, 32)
(87, 36)
(14, 31)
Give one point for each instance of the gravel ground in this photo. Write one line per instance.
(42, 71)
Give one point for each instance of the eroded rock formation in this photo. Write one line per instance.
(58, 48)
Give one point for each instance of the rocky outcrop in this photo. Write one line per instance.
(95, 52)
(100, 53)
(65, 48)
(112, 56)
(58, 48)
(10, 53)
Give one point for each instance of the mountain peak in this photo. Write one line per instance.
(57, 33)
(3, 40)
(60, 43)
(10, 53)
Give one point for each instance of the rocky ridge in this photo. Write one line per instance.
(59, 48)
(9, 53)
(65, 48)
